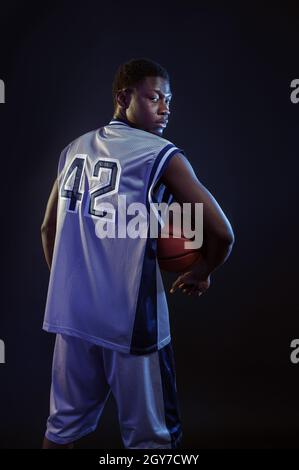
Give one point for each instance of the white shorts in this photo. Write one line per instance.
(143, 386)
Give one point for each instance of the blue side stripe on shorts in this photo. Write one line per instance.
(171, 404)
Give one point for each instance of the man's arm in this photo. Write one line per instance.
(181, 180)
(48, 227)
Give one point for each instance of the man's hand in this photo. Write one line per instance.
(193, 282)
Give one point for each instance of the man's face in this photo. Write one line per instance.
(149, 104)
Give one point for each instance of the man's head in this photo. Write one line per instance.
(141, 95)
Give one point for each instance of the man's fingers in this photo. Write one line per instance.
(188, 289)
(176, 285)
(195, 291)
(185, 288)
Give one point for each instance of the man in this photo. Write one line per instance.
(106, 301)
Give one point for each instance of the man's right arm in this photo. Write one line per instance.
(48, 228)
(181, 180)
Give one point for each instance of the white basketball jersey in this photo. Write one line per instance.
(109, 290)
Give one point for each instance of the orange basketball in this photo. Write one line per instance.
(173, 256)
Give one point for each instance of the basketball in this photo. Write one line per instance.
(172, 254)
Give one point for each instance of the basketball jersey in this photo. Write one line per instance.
(109, 290)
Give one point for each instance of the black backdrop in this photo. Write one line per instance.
(230, 70)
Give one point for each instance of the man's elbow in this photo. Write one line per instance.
(229, 238)
(224, 237)
(47, 229)
(44, 228)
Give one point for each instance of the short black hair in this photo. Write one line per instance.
(134, 71)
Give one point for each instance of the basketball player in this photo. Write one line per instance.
(106, 301)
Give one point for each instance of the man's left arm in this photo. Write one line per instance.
(48, 227)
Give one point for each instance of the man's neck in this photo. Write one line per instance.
(124, 119)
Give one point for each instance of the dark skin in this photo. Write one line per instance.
(145, 104)
(48, 228)
(142, 107)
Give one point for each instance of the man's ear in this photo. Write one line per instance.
(123, 97)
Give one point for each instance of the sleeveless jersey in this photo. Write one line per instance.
(109, 290)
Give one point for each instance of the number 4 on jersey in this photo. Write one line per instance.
(72, 182)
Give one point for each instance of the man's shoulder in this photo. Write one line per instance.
(152, 140)
(145, 139)
(83, 137)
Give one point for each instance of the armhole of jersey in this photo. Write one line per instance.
(161, 162)
(61, 164)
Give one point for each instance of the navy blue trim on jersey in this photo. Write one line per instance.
(157, 162)
(161, 194)
(167, 196)
(171, 404)
(145, 331)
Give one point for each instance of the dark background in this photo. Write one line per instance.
(230, 69)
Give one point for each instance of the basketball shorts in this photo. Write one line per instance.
(144, 387)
